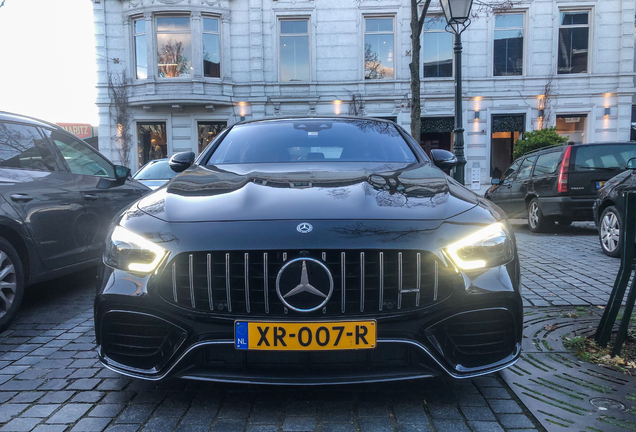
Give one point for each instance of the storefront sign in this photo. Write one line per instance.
(80, 130)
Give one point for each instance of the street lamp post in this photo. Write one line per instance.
(457, 14)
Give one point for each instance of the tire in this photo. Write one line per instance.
(609, 232)
(536, 221)
(11, 283)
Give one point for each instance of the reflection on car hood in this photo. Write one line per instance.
(309, 191)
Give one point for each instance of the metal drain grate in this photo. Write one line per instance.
(563, 392)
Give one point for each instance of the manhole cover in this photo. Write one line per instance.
(605, 404)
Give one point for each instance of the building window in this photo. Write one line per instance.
(437, 49)
(508, 46)
(574, 40)
(572, 126)
(294, 50)
(378, 48)
(174, 48)
(152, 141)
(141, 54)
(211, 48)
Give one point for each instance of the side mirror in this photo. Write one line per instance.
(495, 182)
(181, 161)
(121, 173)
(443, 159)
(631, 164)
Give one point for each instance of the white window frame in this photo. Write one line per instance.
(590, 37)
(424, 31)
(156, 43)
(281, 19)
(219, 33)
(525, 44)
(365, 17)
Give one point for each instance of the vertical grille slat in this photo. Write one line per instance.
(191, 280)
(381, 281)
(247, 282)
(209, 275)
(244, 282)
(399, 280)
(419, 278)
(343, 263)
(174, 282)
(362, 274)
(227, 282)
(265, 283)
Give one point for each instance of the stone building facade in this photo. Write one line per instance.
(196, 66)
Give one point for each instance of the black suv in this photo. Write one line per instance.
(57, 198)
(559, 184)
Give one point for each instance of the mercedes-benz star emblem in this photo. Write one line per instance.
(304, 228)
(305, 296)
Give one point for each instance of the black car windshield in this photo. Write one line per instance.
(159, 170)
(313, 140)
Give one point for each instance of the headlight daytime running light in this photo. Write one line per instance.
(126, 250)
(488, 247)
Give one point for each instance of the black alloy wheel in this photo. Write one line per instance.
(609, 232)
(536, 221)
(11, 283)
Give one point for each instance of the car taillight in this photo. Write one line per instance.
(563, 173)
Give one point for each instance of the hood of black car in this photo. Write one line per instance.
(309, 191)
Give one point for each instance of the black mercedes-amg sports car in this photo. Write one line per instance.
(310, 251)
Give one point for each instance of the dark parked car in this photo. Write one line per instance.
(309, 251)
(57, 198)
(609, 209)
(559, 184)
(155, 173)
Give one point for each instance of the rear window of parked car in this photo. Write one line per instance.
(603, 157)
(547, 163)
(159, 170)
(319, 140)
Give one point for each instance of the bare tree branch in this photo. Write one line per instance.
(417, 25)
(120, 114)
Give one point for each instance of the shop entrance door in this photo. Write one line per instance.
(506, 129)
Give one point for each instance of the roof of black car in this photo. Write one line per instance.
(321, 117)
(7, 116)
(558, 146)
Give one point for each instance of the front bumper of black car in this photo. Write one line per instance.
(475, 330)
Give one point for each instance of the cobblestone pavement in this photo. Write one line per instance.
(564, 267)
(50, 381)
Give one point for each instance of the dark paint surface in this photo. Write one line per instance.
(357, 191)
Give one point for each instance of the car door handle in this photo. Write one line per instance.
(91, 197)
(21, 197)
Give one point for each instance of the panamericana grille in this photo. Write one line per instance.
(365, 281)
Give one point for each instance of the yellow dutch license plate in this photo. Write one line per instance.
(304, 336)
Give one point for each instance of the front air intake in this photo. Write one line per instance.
(474, 339)
(139, 341)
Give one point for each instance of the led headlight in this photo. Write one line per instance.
(488, 247)
(126, 250)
